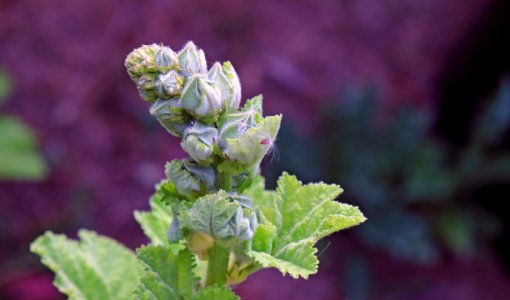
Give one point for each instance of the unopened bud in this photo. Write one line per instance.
(225, 85)
(141, 61)
(202, 99)
(198, 141)
(232, 76)
(249, 148)
(192, 60)
(165, 59)
(170, 115)
(169, 84)
(190, 178)
(146, 87)
(234, 125)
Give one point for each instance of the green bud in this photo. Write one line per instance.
(165, 59)
(198, 141)
(250, 147)
(170, 115)
(169, 84)
(192, 60)
(146, 87)
(234, 125)
(222, 219)
(226, 86)
(229, 70)
(140, 61)
(189, 178)
(201, 99)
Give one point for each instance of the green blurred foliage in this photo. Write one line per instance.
(416, 189)
(19, 157)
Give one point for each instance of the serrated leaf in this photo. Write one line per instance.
(216, 293)
(94, 268)
(168, 275)
(297, 217)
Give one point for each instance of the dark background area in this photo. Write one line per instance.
(441, 61)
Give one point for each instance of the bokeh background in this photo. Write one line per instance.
(406, 104)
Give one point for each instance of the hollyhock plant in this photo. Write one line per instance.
(212, 222)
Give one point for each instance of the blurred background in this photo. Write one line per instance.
(406, 104)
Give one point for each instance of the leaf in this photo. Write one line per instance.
(297, 217)
(19, 159)
(216, 293)
(168, 275)
(94, 268)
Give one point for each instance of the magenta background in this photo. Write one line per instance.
(105, 153)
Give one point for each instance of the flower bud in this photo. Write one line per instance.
(146, 87)
(190, 178)
(169, 84)
(192, 60)
(165, 59)
(170, 115)
(222, 219)
(230, 97)
(141, 61)
(250, 147)
(229, 70)
(234, 125)
(201, 99)
(198, 141)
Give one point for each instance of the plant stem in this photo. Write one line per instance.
(218, 265)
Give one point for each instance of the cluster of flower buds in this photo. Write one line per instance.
(225, 142)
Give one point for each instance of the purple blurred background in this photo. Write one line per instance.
(105, 153)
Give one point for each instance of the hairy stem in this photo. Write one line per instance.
(218, 265)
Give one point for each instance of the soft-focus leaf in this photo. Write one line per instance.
(299, 216)
(5, 86)
(168, 275)
(94, 268)
(19, 159)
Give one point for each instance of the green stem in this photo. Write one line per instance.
(218, 265)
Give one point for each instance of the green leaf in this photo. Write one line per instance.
(297, 217)
(19, 159)
(168, 275)
(216, 293)
(94, 268)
